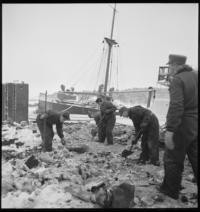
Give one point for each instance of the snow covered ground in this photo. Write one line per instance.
(62, 173)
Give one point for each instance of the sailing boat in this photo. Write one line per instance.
(71, 100)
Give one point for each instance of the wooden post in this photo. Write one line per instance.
(6, 86)
(45, 103)
(109, 52)
(15, 104)
(44, 130)
(149, 98)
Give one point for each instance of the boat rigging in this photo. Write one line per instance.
(80, 107)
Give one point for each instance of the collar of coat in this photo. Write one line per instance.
(183, 68)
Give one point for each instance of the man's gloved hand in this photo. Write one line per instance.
(63, 141)
(94, 132)
(134, 141)
(169, 143)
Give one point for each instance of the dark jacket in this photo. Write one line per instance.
(183, 92)
(107, 110)
(140, 116)
(97, 118)
(54, 118)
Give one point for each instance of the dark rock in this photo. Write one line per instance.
(18, 144)
(97, 185)
(32, 162)
(9, 142)
(119, 196)
(194, 196)
(61, 177)
(19, 128)
(59, 165)
(122, 195)
(79, 149)
(194, 180)
(184, 199)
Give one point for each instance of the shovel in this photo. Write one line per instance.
(126, 152)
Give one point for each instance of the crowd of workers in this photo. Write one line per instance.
(181, 126)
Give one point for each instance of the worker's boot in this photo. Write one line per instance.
(141, 161)
(155, 162)
(166, 191)
(101, 135)
(109, 137)
(143, 158)
(48, 146)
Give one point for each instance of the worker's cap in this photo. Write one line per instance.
(122, 109)
(99, 100)
(176, 59)
(66, 115)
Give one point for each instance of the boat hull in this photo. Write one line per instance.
(72, 108)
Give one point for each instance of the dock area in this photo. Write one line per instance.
(60, 179)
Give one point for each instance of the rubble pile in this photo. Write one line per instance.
(82, 132)
(66, 177)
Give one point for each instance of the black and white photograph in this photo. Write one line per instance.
(99, 105)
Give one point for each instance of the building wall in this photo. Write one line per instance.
(15, 102)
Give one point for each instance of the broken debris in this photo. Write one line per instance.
(70, 178)
(32, 162)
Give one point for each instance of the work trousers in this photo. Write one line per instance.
(105, 129)
(150, 142)
(185, 141)
(46, 133)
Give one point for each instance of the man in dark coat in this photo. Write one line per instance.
(106, 120)
(181, 124)
(146, 121)
(45, 124)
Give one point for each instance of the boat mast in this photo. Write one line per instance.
(110, 43)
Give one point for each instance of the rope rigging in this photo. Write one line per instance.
(115, 60)
(113, 80)
(109, 80)
(103, 67)
(153, 98)
(117, 69)
(100, 67)
(81, 68)
(111, 67)
(120, 65)
(95, 65)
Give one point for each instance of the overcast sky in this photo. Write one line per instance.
(46, 45)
